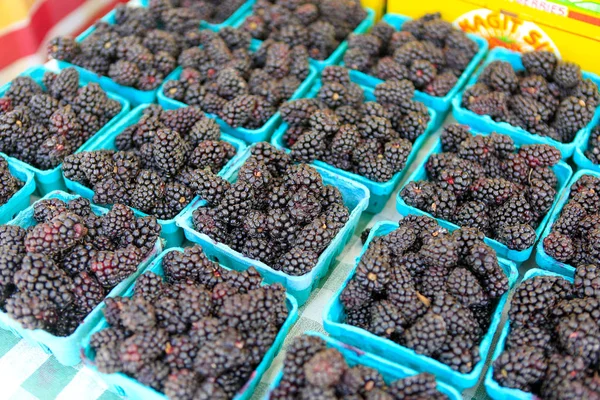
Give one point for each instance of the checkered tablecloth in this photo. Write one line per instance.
(26, 372)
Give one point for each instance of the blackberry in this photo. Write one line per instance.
(465, 287)
(388, 69)
(149, 189)
(298, 112)
(238, 111)
(325, 369)
(484, 264)
(59, 234)
(586, 281)
(413, 125)
(534, 299)
(516, 210)
(460, 354)
(394, 92)
(520, 368)
(88, 292)
(517, 237)
(422, 384)
(567, 74)
(397, 153)
(386, 320)
(541, 196)
(373, 272)
(112, 267)
(521, 336)
(427, 335)
(559, 246)
(309, 147)
(539, 62)
(572, 115)
(32, 311)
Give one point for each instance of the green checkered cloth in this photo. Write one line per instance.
(29, 373)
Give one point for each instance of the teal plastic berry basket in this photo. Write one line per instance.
(20, 200)
(354, 356)
(334, 316)
(563, 173)
(231, 21)
(442, 105)
(51, 179)
(338, 54)
(171, 233)
(130, 388)
(248, 135)
(542, 259)
(493, 388)
(356, 198)
(67, 349)
(579, 157)
(133, 95)
(484, 123)
(380, 191)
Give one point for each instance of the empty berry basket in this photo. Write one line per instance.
(542, 258)
(49, 180)
(563, 173)
(67, 349)
(172, 234)
(334, 317)
(127, 386)
(442, 105)
(20, 200)
(247, 135)
(356, 198)
(355, 356)
(380, 192)
(484, 123)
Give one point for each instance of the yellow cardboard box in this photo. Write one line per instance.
(569, 28)
(376, 5)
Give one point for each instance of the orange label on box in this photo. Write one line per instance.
(505, 30)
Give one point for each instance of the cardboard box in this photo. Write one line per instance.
(571, 29)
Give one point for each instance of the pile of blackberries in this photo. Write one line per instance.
(553, 346)
(199, 333)
(243, 88)
(372, 139)
(428, 51)
(573, 238)
(313, 371)
(548, 98)
(55, 273)
(276, 212)
(42, 124)
(487, 183)
(139, 50)
(213, 11)
(161, 162)
(428, 290)
(319, 25)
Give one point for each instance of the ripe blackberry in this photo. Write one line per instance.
(59, 234)
(427, 335)
(567, 74)
(237, 112)
(394, 92)
(517, 237)
(586, 281)
(325, 369)
(88, 292)
(539, 62)
(413, 125)
(520, 368)
(298, 112)
(32, 311)
(559, 246)
(483, 263)
(112, 267)
(460, 354)
(149, 189)
(373, 272)
(572, 115)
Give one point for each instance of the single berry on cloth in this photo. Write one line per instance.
(311, 370)
(486, 182)
(427, 289)
(40, 125)
(55, 273)
(277, 212)
(369, 138)
(428, 51)
(548, 97)
(198, 332)
(552, 346)
(160, 165)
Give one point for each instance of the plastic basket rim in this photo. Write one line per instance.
(58, 194)
(555, 214)
(483, 48)
(470, 377)
(490, 384)
(494, 55)
(182, 222)
(120, 125)
(125, 108)
(390, 185)
(434, 150)
(103, 324)
(335, 343)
